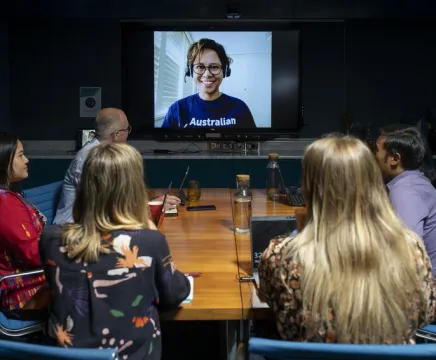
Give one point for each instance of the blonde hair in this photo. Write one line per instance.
(358, 260)
(111, 196)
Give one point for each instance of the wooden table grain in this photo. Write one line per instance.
(203, 241)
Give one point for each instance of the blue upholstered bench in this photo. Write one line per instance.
(13, 350)
(428, 333)
(45, 198)
(286, 350)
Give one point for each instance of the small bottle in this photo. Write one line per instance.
(242, 205)
(273, 183)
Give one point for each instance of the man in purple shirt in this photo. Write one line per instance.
(400, 152)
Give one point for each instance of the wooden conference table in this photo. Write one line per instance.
(204, 241)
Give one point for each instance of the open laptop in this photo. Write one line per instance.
(181, 194)
(292, 193)
(263, 230)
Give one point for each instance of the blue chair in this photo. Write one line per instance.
(45, 198)
(14, 350)
(13, 328)
(428, 333)
(287, 350)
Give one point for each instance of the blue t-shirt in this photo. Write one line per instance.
(194, 112)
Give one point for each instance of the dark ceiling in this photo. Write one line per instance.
(206, 9)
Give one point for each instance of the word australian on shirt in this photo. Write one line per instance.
(194, 112)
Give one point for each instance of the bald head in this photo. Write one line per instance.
(110, 121)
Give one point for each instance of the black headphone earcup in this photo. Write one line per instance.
(187, 71)
(228, 71)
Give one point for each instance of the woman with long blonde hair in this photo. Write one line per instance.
(111, 268)
(354, 274)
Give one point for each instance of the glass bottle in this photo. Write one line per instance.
(242, 205)
(273, 183)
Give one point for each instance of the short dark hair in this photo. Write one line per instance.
(8, 147)
(198, 47)
(407, 141)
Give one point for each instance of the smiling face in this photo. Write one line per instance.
(19, 165)
(207, 82)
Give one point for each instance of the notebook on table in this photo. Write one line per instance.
(263, 230)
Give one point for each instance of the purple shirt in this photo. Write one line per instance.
(414, 199)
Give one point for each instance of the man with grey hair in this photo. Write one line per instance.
(111, 125)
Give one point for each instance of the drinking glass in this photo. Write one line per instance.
(157, 212)
(194, 191)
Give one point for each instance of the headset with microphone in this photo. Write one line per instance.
(189, 70)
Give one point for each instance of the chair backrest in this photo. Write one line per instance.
(427, 333)
(284, 350)
(45, 198)
(17, 350)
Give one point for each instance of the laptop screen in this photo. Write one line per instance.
(84, 136)
(264, 229)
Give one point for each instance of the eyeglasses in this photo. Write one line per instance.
(213, 69)
(128, 129)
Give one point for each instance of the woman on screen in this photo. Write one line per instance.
(208, 64)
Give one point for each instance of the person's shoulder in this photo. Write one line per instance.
(146, 236)
(84, 151)
(6, 195)
(9, 198)
(50, 240)
(50, 233)
(234, 100)
(404, 191)
(278, 246)
(185, 102)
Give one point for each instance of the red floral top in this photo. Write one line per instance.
(21, 224)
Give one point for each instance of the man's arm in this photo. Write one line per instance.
(77, 170)
(410, 207)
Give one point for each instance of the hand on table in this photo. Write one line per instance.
(171, 201)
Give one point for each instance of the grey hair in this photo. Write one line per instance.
(106, 124)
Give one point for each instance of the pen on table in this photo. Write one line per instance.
(193, 274)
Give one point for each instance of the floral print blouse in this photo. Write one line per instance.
(114, 302)
(287, 305)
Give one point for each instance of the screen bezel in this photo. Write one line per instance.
(148, 131)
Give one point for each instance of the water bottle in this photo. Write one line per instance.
(242, 205)
(273, 183)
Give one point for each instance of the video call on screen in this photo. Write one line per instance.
(261, 90)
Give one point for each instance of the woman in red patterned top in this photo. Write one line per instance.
(21, 224)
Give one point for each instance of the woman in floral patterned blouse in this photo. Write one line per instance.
(354, 274)
(111, 270)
